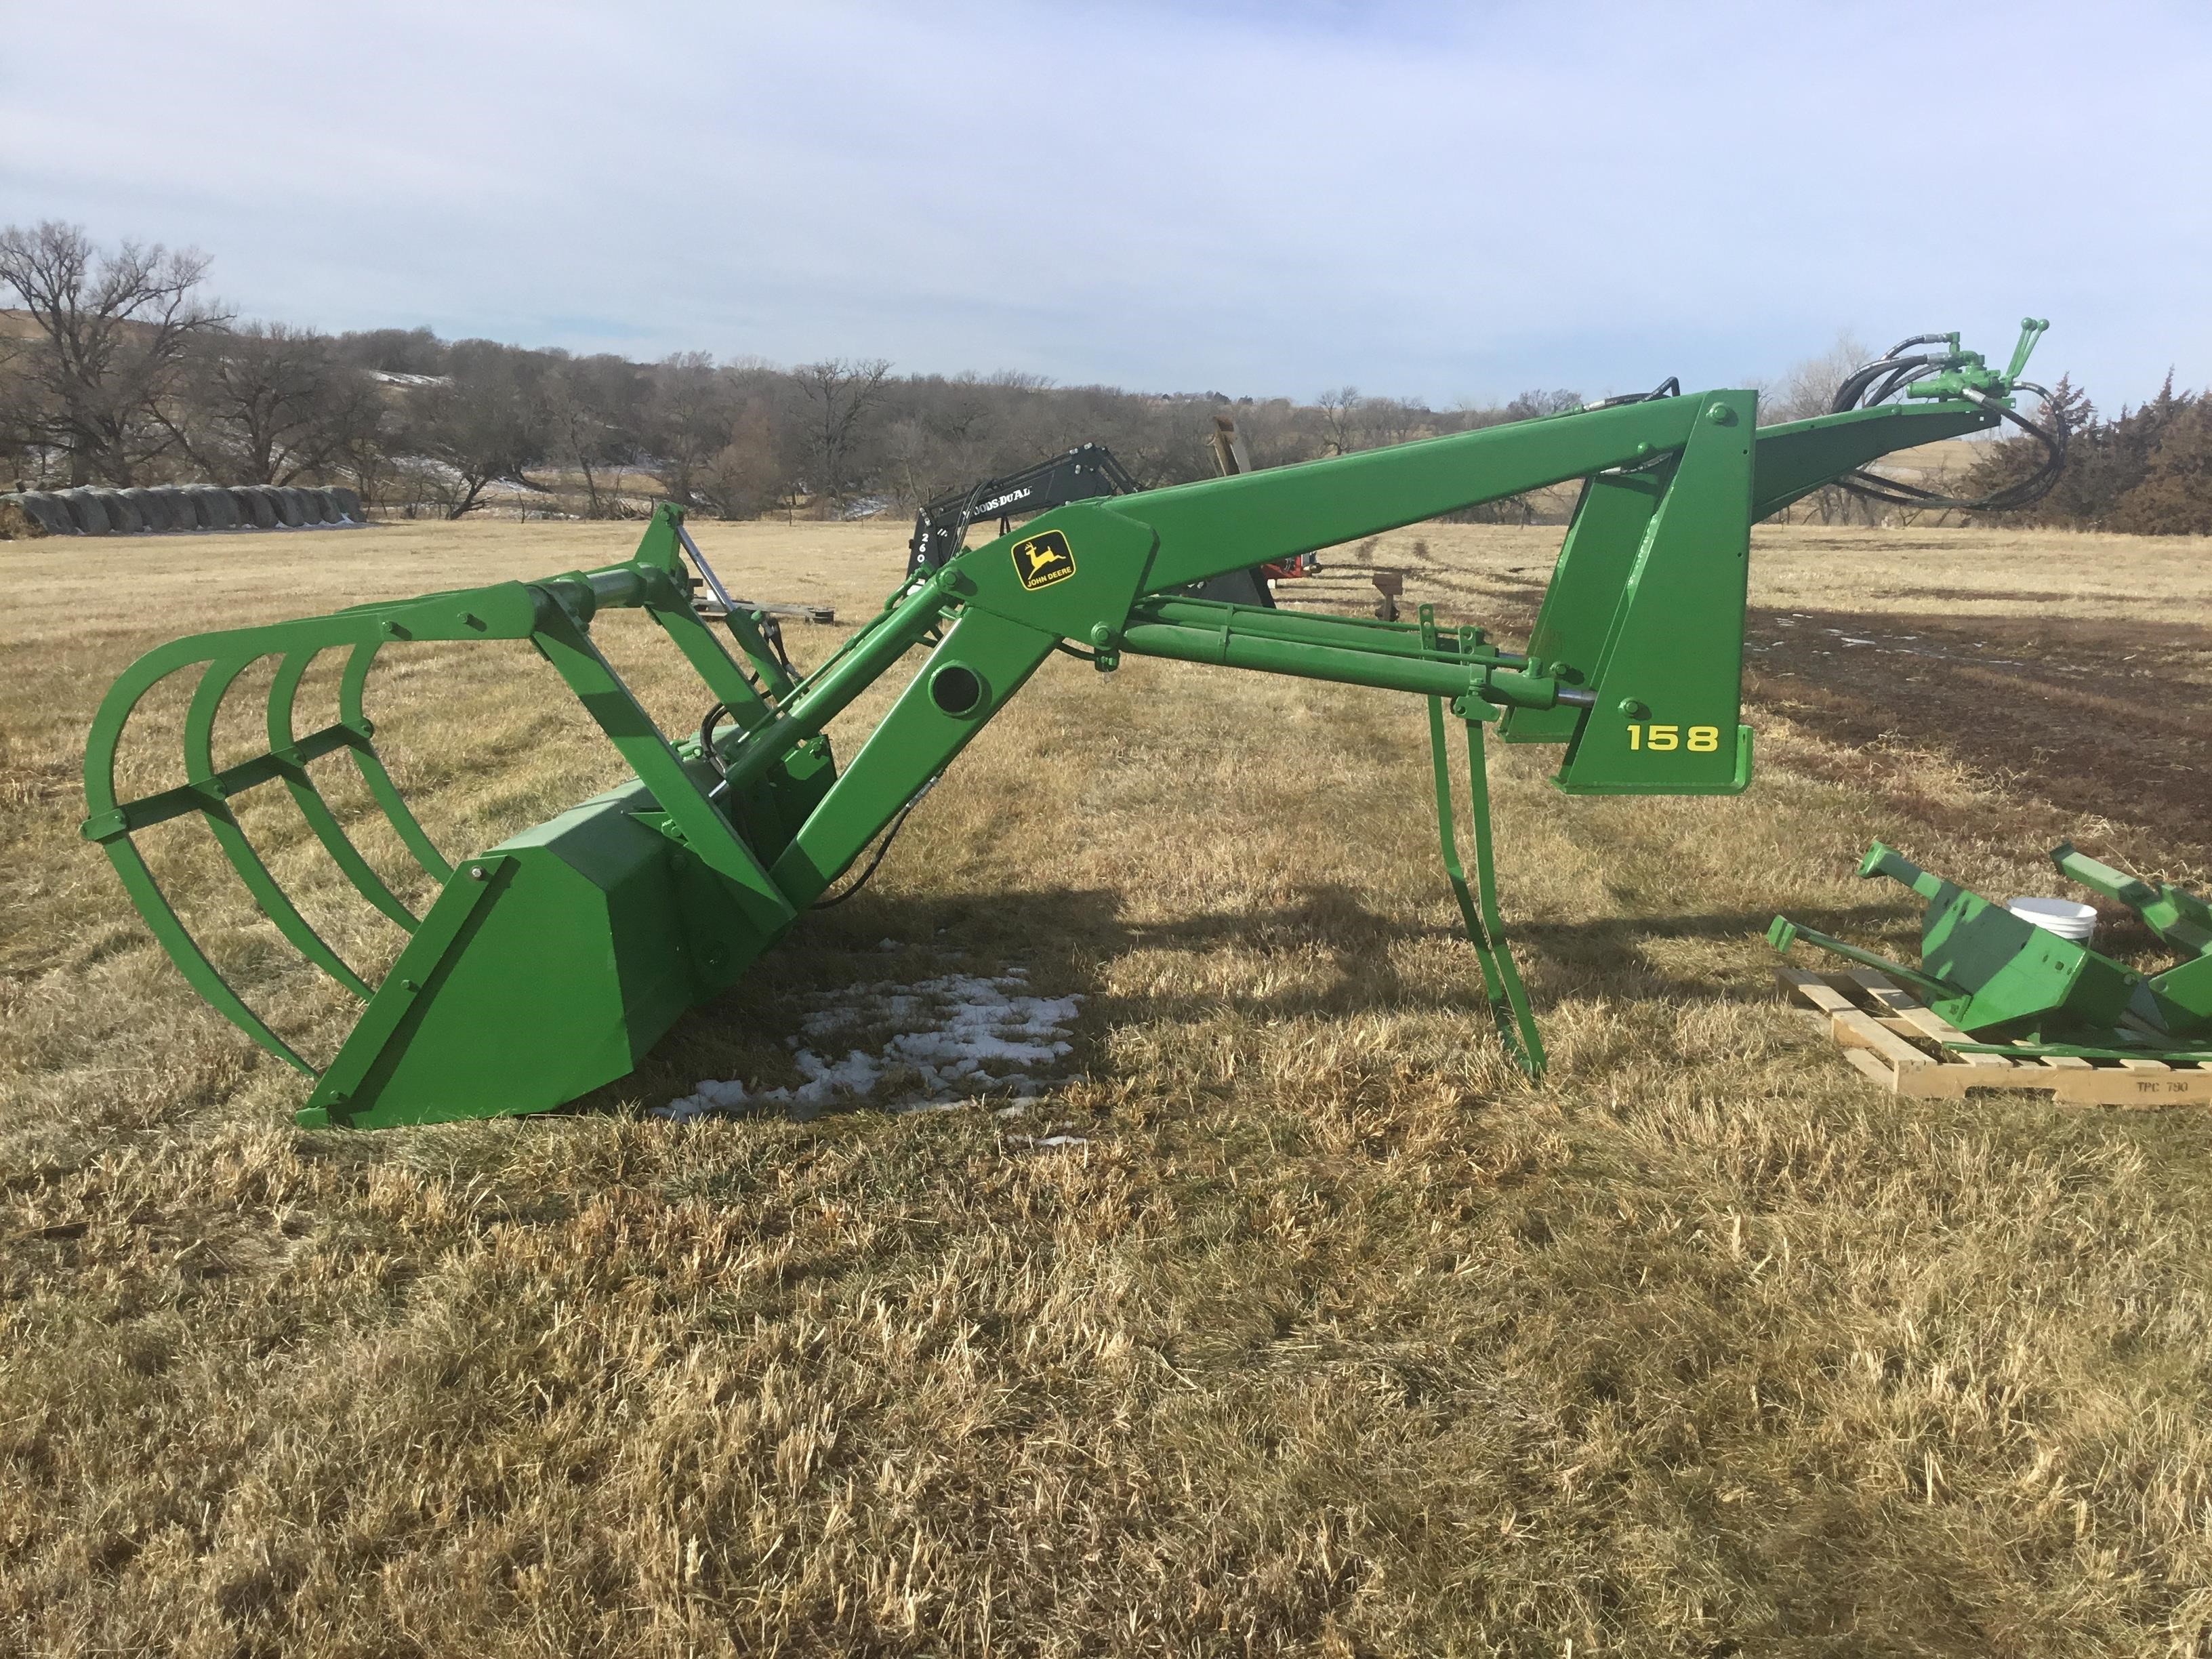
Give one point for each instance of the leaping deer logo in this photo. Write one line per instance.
(1042, 560)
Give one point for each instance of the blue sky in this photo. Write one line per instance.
(1446, 202)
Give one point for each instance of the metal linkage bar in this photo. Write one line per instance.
(1465, 680)
(1360, 633)
(816, 700)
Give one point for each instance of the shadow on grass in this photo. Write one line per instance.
(1341, 957)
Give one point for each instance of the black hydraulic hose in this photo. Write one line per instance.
(1669, 388)
(1897, 383)
(882, 847)
(713, 759)
(1917, 339)
(2021, 493)
(1877, 382)
(708, 752)
(1851, 394)
(2012, 498)
(771, 633)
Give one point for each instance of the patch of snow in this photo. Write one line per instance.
(709, 1096)
(963, 1035)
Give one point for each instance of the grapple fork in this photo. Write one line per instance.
(613, 887)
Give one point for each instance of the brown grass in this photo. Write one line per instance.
(1330, 1338)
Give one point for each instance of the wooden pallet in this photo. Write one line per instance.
(1888, 1035)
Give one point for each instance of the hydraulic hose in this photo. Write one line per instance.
(1669, 388)
(882, 847)
(1887, 375)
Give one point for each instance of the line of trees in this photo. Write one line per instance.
(117, 368)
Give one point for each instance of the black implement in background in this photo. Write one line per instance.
(1077, 475)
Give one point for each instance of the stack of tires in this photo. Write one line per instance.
(167, 508)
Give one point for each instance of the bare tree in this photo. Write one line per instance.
(1535, 404)
(1340, 419)
(1810, 387)
(688, 421)
(591, 407)
(912, 454)
(938, 434)
(746, 476)
(838, 394)
(1393, 421)
(1807, 390)
(369, 456)
(415, 352)
(486, 424)
(24, 434)
(267, 404)
(113, 332)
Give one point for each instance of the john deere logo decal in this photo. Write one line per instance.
(1043, 559)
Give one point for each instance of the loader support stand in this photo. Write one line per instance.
(1485, 926)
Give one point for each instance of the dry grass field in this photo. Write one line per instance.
(1289, 1322)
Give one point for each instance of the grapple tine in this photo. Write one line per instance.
(110, 825)
(230, 835)
(380, 787)
(199, 973)
(313, 807)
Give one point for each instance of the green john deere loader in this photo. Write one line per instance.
(549, 964)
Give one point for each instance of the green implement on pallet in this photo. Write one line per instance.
(1997, 975)
(550, 963)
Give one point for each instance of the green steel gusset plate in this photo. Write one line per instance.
(549, 964)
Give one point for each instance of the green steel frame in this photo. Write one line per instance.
(1992, 974)
(549, 964)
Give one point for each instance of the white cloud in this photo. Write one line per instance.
(1442, 202)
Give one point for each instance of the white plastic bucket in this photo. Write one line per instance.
(2061, 916)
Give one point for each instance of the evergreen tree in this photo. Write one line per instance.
(2174, 497)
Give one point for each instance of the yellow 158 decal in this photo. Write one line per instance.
(1699, 740)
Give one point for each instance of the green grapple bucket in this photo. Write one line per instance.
(648, 898)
